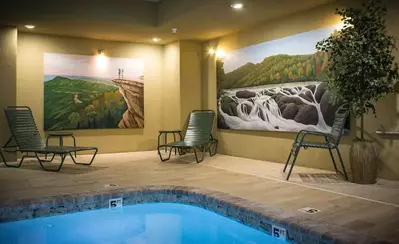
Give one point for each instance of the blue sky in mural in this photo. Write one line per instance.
(56, 64)
(303, 43)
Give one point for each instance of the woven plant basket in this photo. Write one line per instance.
(364, 162)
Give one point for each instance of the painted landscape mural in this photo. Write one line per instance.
(92, 92)
(276, 86)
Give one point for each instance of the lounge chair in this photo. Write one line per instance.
(28, 140)
(331, 141)
(197, 136)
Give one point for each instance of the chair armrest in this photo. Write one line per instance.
(301, 135)
(316, 133)
(170, 131)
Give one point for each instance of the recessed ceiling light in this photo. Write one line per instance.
(237, 5)
(156, 39)
(30, 26)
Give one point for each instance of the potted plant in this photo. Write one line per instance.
(363, 71)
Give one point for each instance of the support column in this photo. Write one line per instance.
(8, 79)
(190, 78)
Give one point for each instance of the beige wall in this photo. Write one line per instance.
(274, 146)
(190, 77)
(30, 86)
(182, 85)
(387, 110)
(171, 87)
(8, 76)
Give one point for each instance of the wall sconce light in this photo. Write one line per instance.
(220, 53)
(100, 52)
(237, 5)
(342, 24)
(30, 26)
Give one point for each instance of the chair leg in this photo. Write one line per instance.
(342, 164)
(288, 160)
(181, 151)
(45, 156)
(174, 140)
(160, 155)
(293, 162)
(333, 160)
(196, 156)
(74, 143)
(91, 161)
(63, 156)
(10, 165)
(48, 161)
(214, 145)
(2, 156)
(159, 141)
(166, 142)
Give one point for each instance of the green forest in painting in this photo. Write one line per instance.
(81, 104)
(275, 69)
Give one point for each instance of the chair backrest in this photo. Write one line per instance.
(339, 123)
(199, 127)
(23, 127)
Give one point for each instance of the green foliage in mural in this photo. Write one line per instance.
(275, 69)
(80, 104)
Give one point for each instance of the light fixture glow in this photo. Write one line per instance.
(101, 62)
(342, 25)
(156, 39)
(220, 53)
(211, 51)
(101, 52)
(237, 5)
(30, 26)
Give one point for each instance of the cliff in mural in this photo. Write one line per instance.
(92, 92)
(77, 103)
(133, 93)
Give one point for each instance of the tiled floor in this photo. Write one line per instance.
(372, 209)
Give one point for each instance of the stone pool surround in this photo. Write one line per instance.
(299, 228)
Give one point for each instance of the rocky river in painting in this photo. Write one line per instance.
(287, 107)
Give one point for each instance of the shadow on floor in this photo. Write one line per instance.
(188, 158)
(67, 168)
(321, 178)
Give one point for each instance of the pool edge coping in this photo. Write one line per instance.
(300, 229)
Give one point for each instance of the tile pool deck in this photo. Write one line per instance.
(372, 210)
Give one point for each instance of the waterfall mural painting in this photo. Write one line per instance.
(92, 92)
(277, 86)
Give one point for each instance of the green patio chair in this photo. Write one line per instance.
(29, 141)
(332, 140)
(197, 136)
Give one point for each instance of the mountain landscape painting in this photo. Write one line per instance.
(92, 92)
(277, 86)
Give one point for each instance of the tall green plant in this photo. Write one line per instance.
(360, 59)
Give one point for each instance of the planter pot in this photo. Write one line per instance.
(364, 162)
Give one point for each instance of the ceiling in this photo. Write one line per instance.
(140, 20)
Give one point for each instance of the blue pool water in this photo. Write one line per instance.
(153, 223)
